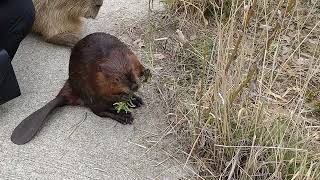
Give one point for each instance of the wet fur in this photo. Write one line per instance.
(59, 21)
(102, 71)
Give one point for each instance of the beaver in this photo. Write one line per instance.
(102, 71)
(59, 21)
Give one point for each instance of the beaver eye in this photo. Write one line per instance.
(116, 80)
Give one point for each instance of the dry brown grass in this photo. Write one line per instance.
(243, 93)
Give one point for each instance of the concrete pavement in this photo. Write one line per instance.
(76, 144)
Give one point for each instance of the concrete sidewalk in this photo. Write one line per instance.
(76, 144)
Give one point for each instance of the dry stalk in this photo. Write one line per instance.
(246, 21)
(249, 14)
(252, 71)
(273, 35)
(234, 54)
(291, 4)
(254, 68)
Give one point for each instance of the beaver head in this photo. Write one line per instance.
(121, 73)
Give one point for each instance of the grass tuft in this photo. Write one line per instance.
(243, 90)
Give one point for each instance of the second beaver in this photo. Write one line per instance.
(102, 71)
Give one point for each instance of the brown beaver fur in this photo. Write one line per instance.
(102, 71)
(59, 21)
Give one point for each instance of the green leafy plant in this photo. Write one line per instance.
(125, 106)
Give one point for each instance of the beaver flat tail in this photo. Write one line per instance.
(29, 127)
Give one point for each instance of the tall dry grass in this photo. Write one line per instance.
(243, 93)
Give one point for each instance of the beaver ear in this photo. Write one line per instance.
(146, 72)
(98, 2)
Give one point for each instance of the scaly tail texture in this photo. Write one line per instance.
(29, 127)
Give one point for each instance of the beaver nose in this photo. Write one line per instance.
(134, 87)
